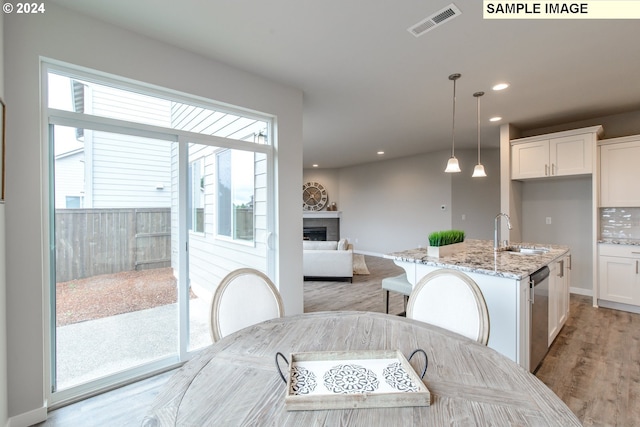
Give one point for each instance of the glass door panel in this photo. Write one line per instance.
(227, 218)
(115, 272)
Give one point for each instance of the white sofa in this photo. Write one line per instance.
(323, 259)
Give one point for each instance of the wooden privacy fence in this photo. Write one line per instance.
(90, 242)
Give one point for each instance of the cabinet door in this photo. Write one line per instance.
(563, 292)
(619, 279)
(530, 160)
(620, 174)
(571, 155)
(554, 283)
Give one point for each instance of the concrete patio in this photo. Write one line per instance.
(95, 348)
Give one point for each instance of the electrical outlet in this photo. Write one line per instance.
(548, 220)
(464, 217)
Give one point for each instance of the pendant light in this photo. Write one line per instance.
(478, 171)
(452, 164)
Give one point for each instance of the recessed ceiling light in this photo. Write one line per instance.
(501, 86)
(495, 119)
(380, 153)
(315, 166)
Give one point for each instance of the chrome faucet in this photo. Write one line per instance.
(496, 231)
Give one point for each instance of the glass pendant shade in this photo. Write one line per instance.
(452, 165)
(478, 171)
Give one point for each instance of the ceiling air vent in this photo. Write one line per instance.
(438, 18)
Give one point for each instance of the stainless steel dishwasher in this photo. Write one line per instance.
(539, 325)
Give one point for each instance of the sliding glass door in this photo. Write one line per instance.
(152, 202)
(116, 291)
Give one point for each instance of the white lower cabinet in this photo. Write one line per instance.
(559, 284)
(619, 279)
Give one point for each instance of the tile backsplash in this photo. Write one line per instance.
(620, 223)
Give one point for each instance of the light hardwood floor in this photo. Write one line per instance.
(593, 365)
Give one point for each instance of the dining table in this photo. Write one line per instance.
(237, 382)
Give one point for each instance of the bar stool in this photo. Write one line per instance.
(398, 284)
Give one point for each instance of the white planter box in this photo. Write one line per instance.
(444, 251)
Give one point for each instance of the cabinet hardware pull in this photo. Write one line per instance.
(637, 253)
(570, 262)
(561, 272)
(546, 169)
(636, 266)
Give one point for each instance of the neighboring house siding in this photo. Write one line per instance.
(69, 170)
(210, 256)
(128, 170)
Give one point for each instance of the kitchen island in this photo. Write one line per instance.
(503, 278)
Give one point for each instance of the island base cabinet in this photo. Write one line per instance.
(559, 285)
(509, 326)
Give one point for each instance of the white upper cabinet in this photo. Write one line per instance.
(620, 172)
(552, 155)
(530, 160)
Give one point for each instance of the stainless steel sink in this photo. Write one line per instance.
(527, 251)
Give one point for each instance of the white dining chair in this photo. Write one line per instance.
(243, 298)
(451, 300)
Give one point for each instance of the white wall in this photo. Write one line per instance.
(568, 203)
(477, 199)
(67, 36)
(392, 205)
(3, 293)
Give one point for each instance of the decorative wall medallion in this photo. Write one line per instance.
(349, 379)
(303, 381)
(398, 378)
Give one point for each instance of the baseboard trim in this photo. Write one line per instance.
(618, 306)
(30, 418)
(581, 291)
(376, 254)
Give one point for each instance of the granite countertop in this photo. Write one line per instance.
(479, 257)
(632, 242)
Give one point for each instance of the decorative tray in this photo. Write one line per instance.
(353, 379)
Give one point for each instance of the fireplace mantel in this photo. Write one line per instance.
(321, 214)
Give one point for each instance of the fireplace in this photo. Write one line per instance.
(314, 233)
(330, 221)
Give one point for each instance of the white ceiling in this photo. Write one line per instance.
(370, 85)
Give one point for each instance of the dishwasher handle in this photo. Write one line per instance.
(539, 276)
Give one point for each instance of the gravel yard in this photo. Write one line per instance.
(109, 294)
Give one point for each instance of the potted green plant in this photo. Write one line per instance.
(445, 243)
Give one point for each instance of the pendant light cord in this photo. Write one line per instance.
(453, 77)
(478, 98)
(478, 95)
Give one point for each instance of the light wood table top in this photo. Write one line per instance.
(235, 381)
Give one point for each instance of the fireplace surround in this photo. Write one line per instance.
(328, 220)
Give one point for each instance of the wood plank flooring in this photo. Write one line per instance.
(593, 365)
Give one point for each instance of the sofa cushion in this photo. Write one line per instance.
(343, 245)
(319, 245)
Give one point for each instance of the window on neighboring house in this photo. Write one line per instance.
(196, 195)
(236, 194)
(73, 202)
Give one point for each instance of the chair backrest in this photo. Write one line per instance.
(453, 301)
(243, 298)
